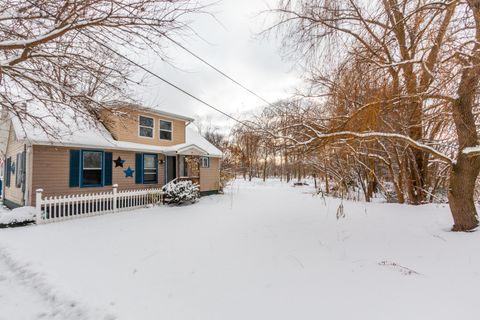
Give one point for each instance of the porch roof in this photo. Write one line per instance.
(192, 150)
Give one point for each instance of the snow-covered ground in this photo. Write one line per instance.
(261, 251)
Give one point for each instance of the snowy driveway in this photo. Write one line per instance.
(258, 252)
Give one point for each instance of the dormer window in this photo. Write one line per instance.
(165, 130)
(145, 127)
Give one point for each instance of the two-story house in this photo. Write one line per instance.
(133, 146)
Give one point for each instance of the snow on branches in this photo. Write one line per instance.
(181, 192)
(48, 59)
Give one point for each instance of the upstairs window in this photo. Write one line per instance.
(205, 162)
(165, 130)
(150, 168)
(92, 168)
(146, 126)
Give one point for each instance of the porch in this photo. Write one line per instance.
(186, 164)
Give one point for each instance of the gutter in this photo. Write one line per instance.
(166, 150)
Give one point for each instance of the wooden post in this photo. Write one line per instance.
(38, 206)
(115, 187)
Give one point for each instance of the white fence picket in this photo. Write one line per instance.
(65, 207)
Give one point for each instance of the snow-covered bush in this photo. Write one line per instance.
(181, 192)
(18, 216)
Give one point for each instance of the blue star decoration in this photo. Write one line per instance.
(119, 162)
(129, 172)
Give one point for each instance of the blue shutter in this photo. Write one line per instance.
(107, 167)
(138, 168)
(8, 172)
(74, 168)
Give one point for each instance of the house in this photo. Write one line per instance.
(134, 147)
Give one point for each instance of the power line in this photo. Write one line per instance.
(217, 70)
(156, 75)
(164, 80)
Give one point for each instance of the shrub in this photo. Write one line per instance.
(181, 192)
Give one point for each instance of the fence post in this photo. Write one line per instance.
(115, 187)
(38, 206)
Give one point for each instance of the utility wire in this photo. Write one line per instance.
(156, 75)
(164, 80)
(216, 69)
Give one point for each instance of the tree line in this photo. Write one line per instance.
(391, 105)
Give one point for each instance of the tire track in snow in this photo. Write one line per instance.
(30, 284)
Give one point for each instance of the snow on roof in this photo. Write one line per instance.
(194, 139)
(122, 104)
(78, 132)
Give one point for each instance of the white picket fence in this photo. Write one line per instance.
(59, 208)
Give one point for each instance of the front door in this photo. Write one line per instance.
(171, 168)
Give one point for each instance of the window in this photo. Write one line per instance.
(150, 168)
(205, 161)
(165, 130)
(146, 126)
(92, 168)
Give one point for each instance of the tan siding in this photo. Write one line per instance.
(210, 177)
(125, 128)
(14, 147)
(51, 167)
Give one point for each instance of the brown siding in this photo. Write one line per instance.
(14, 147)
(51, 168)
(125, 128)
(210, 177)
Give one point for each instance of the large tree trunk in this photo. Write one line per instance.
(466, 169)
(462, 186)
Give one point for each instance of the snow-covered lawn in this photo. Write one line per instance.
(258, 252)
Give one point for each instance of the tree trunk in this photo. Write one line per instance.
(466, 169)
(265, 168)
(460, 195)
(327, 185)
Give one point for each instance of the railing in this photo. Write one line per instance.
(193, 179)
(59, 208)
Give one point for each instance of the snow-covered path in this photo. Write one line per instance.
(17, 297)
(25, 296)
(262, 251)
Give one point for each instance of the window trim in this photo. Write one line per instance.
(143, 168)
(160, 129)
(202, 163)
(102, 174)
(139, 126)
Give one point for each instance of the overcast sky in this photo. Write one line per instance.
(233, 45)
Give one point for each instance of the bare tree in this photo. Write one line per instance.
(58, 57)
(426, 58)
